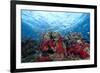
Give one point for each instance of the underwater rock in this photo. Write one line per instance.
(29, 47)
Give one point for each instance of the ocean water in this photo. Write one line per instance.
(35, 23)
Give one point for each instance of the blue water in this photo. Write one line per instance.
(35, 23)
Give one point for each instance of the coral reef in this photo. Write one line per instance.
(54, 47)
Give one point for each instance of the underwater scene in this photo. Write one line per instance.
(54, 36)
